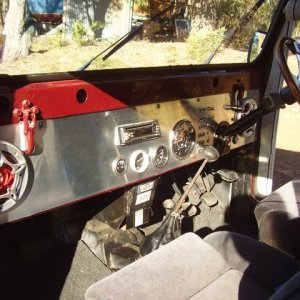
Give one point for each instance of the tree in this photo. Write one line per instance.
(3, 11)
(18, 29)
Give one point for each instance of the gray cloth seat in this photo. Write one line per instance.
(223, 266)
(278, 218)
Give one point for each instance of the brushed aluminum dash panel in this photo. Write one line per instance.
(74, 157)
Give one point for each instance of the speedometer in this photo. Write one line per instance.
(183, 139)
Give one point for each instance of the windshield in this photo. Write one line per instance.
(60, 36)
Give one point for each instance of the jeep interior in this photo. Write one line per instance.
(153, 181)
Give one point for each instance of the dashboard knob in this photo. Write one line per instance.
(233, 107)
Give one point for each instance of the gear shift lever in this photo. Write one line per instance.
(210, 155)
(170, 228)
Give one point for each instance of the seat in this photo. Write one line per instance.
(223, 266)
(278, 218)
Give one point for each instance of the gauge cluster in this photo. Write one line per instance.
(168, 135)
(178, 143)
(175, 147)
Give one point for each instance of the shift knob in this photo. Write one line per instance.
(210, 153)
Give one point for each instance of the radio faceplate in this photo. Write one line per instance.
(137, 132)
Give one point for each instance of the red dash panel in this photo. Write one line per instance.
(59, 99)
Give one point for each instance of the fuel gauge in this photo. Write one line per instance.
(139, 161)
(160, 156)
(120, 166)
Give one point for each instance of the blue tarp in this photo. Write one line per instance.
(46, 6)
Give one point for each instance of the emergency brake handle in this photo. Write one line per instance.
(272, 103)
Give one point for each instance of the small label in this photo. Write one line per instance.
(145, 187)
(143, 197)
(139, 218)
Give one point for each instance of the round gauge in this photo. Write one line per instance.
(183, 139)
(120, 166)
(160, 156)
(139, 161)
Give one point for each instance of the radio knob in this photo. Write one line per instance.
(127, 136)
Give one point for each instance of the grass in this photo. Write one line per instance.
(47, 56)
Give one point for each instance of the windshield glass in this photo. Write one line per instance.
(62, 35)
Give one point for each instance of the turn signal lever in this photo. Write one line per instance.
(274, 102)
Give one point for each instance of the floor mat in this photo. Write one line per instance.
(85, 270)
(34, 267)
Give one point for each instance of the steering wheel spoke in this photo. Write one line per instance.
(292, 81)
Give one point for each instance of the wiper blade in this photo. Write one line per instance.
(125, 39)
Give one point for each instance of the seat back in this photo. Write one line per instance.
(278, 218)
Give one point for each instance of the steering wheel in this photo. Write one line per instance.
(292, 81)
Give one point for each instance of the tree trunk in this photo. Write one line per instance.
(3, 11)
(203, 14)
(18, 33)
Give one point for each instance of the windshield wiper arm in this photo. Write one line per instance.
(228, 38)
(125, 39)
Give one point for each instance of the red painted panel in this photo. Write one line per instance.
(59, 99)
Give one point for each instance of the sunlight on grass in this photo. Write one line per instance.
(49, 55)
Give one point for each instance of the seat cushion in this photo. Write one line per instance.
(265, 265)
(225, 266)
(233, 285)
(177, 270)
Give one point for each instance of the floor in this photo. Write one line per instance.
(36, 267)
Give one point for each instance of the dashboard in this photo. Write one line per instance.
(80, 156)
